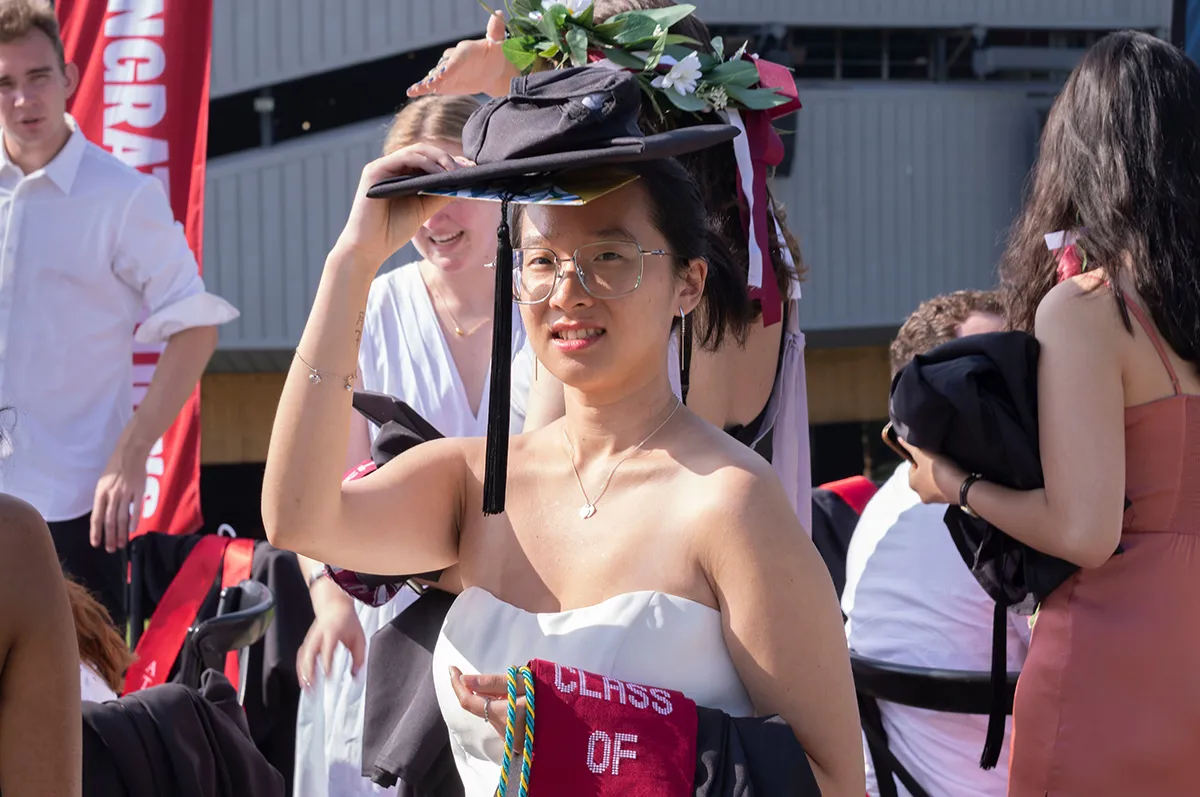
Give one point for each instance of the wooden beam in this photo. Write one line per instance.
(846, 385)
(236, 414)
(238, 409)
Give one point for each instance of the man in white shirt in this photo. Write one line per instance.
(910, 598)
(86, 244)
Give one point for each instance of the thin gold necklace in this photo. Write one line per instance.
(458, 330)
(589, 504)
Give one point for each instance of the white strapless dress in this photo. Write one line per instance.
(645, 637)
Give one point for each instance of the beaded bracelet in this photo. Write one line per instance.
(314, 375)
(526, 675)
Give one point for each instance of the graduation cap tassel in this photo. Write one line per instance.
(495, 469)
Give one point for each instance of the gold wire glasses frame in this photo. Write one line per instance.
(606, 270)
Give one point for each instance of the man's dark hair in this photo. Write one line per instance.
(936, 321)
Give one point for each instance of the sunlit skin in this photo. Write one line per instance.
(722, 532)
(34, 89)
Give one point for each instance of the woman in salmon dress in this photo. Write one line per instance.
(1108, 702)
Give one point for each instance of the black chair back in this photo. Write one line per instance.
(243, 615)
(948, 691)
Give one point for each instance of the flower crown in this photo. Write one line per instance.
(563, 33)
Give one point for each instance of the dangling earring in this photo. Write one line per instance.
(535, 368)
(685, 356)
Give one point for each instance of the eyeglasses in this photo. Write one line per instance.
(606, 270)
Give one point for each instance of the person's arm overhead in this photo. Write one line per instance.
(403, 518)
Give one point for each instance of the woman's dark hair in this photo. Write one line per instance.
(714, 170)
(1120, 161)
(677, 211)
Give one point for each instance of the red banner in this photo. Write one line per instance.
(143, 95)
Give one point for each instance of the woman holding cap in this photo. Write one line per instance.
(636, 539)
(426, 340)
(751, 383)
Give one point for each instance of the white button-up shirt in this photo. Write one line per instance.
(85, 244)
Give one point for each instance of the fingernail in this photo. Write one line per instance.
(454, 673)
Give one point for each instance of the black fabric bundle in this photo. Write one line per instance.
(975, 401)
(171, 739)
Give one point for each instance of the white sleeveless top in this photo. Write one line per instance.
(403, 354)
(646, 637)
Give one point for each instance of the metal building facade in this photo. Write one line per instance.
(900, 194)
(260, 42)
(897, 194)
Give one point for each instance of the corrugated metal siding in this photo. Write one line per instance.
(260, 42)
(901, 194)
(898, 194)
(1072, 14)
(270, 218)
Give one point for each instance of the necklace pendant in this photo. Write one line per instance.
(458, 331)
(586, 511)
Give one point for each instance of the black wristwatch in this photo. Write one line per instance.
(962, 495)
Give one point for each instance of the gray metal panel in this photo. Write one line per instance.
(1066, 14)
(903, 193)
(261, 42)
(898, 194)
(270, 218)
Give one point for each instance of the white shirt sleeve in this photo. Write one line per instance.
(153, 258)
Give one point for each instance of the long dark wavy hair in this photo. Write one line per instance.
(1119, 160)
(714, 170)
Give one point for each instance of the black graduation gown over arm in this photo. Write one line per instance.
(173, 740)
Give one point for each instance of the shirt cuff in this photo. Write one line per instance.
(197, 310)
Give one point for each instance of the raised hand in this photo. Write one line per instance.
(377, 228)
(473, 66)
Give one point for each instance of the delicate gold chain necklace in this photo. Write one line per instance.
(458, 330)
(589, 504)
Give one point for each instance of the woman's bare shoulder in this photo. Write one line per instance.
(738, 494)
(1085, 296)
(19, 520)
(27, 559)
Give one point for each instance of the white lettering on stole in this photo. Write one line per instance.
(559, 684)
(583, 690)
(661, 701)
(613, 685)
(599, 766)
(637, 696)
(623, 752)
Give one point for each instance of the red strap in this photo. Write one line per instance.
(159, 647)
(1152, 333)
(608, 738)
(239, 556)
(855, 491)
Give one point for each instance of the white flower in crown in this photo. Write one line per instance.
(575, 7)
(683, 76)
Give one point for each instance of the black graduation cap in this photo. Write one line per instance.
(551, 124)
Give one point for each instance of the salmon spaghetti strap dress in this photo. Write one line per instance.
(1108, 702)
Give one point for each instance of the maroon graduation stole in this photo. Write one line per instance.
(599, 736)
